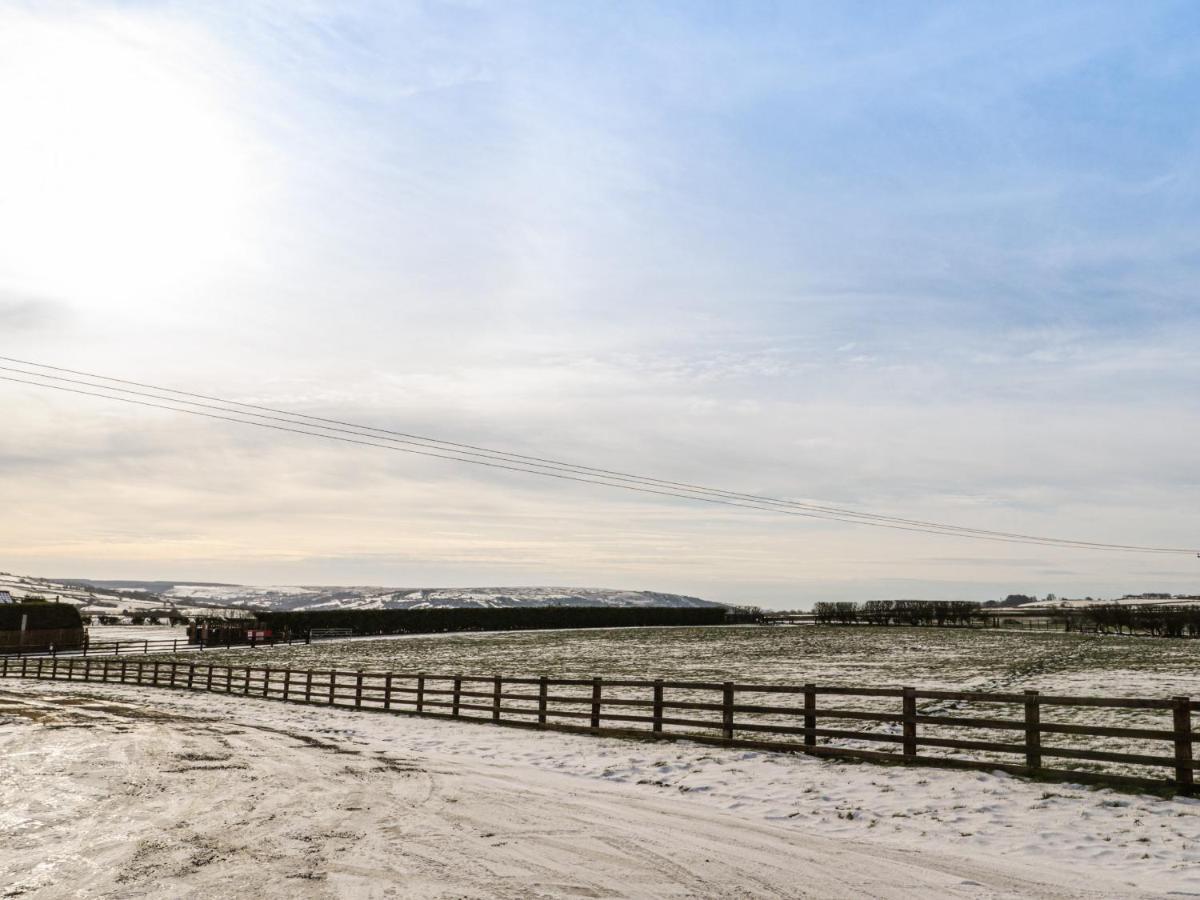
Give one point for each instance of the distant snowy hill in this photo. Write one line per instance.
(125, 597)
(107, 598)
(306, 597)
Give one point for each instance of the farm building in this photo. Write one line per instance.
(38, 626)
(6, 597)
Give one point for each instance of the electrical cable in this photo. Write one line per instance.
(475, 455)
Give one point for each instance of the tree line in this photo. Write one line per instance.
(1157, 620)
(897, 612)
(433, 621)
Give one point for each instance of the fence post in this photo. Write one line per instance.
(496, 698)
(191, 676)
(657, 712)
(358, 689)
(457, 692)
(287, 681)
(308, 686)
(1183, 745)
(208, 680)
(87, 670)
(141, 663)
(332, 686)
(810, 715)
(420, 692)
(116, 649)
(154, 683)
(266, 680)
(54, 669)
(5, 673)
(596, 702)
(174, 672)
(543, 688)
(909, 722)
(229, 679)
(1033, 730)
(24, 666)
(39, 669)
(246, 682)
(387, 691)
(103, 671)
(727, 711)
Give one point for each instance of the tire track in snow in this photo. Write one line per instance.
(315, 813)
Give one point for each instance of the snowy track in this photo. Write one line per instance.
(128, 792)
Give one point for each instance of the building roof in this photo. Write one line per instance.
(6, 597)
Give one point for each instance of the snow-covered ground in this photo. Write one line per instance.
(91, 599)
(109, 634)
(110, 790)
(978, 659)
(98, 600)
(988, 660)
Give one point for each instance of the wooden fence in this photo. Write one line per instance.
(156, 645)
(778, 718)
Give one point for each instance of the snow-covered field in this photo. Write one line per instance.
(113, 633)
(122, 791)
(993, 660)
(91, 599)
(98, 600)
(978, 659)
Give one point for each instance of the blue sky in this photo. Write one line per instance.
(936, 260)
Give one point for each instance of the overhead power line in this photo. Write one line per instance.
(508, 457)
(486, 453)
(213, 407)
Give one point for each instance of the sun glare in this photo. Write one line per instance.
(121, 175)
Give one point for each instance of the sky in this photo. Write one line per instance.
(930, 260)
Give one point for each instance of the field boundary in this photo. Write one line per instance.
(144, 646)
(566, 704)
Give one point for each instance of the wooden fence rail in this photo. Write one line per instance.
(134, 647)
(643, 708)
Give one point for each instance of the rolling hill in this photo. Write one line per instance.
(125, 597)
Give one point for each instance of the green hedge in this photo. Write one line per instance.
(40, 616)
(432, 621)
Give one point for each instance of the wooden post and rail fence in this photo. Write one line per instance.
(133, 646)
(642, 709)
